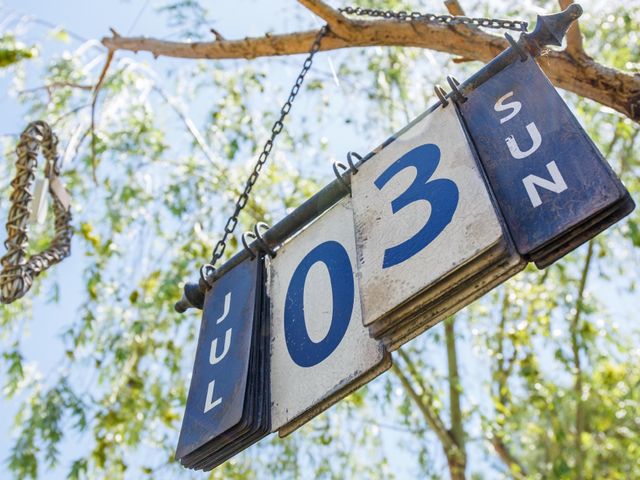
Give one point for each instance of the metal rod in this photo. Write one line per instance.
(550, 30)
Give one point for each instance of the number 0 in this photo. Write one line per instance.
(304, 351)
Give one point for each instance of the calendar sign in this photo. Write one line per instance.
(229, 405)
(320, 349)
(425, 223)
(554, 187)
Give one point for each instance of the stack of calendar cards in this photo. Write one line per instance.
(554, 187)
(229, 402)
(321, 351)
(429, 236)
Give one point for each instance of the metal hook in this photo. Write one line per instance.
(352, 165)
(263, 244)
(337, 165)
(455, 91)
(206, 272)
(246, 244)
(517, 47)
(441, 94)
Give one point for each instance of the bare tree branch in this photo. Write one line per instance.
(338, 23)
(454, 7)
(94, 102)
(608, 86)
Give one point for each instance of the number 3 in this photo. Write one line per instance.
(441, 193)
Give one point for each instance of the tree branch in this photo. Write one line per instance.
(610, 87)
(575, 348)
(457, 429)
(96, 91)
(454, 7)
(574, 37)
(338, 23)
(432, 419)
(516, 469)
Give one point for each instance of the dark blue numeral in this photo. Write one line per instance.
(441, 193)
(304, 351)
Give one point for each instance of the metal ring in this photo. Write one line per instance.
(441, 94)
(263, 244)
(337, 165)
(352, 165)
(246, 244)
(517, 47)
(206, 272)
(455, 91)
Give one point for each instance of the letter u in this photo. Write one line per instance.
(536, 140)
(213, 354)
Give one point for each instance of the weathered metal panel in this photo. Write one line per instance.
(320, 348)
(546, 173)
(422, 211)
(217, 393)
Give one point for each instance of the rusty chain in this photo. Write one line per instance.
(18, 273)
(207, 270)
(517, 25)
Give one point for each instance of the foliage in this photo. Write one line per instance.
(12, 51)
(547, 364)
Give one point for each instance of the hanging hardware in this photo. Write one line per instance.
(17, 273)
(264, 246)
(245, 244)
(230, 226)
(351, 163)
(337, 166)
(517, 25)
(441, 94)
(549, 29)
(456, 93)
(517, 47)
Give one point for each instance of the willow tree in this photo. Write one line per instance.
(539, 379)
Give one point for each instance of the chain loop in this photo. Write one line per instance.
(516, 25)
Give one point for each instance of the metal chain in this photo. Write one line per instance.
(207, 270)
(517, 25)
(230, 226)
(17, 274)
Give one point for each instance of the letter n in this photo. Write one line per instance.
(556, 184)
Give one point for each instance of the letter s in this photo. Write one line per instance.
(515, 107)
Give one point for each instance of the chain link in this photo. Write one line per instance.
(517, 25)
(207, 270)
(232, 222)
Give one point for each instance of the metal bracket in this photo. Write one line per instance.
(261, 241)
(517, 47)
(352, 165)
(336, 167)
(456, 93)
(245, 244)
(441, 94)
